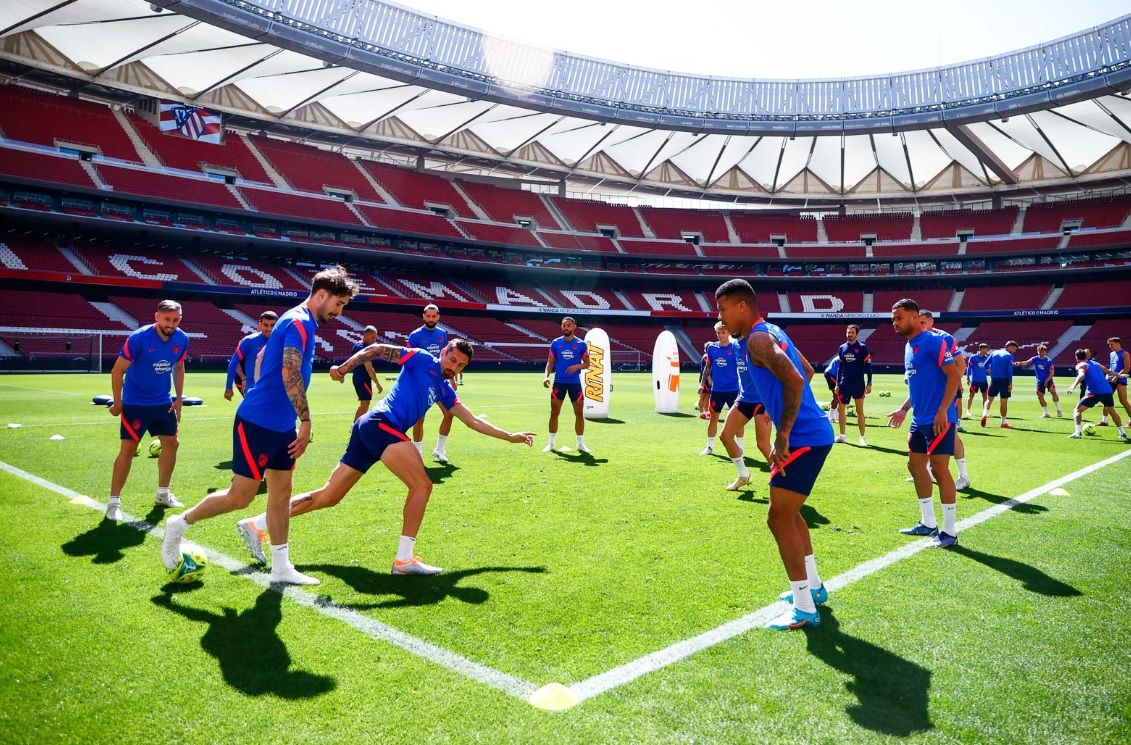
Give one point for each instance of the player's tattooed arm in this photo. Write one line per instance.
(386, 352)
(293, 384)
(764, 352)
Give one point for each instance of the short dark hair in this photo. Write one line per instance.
(1012, 343)
(268, 315)
(1081, 354)
(168, 306)
(1117, 340)
(983, 344)
(1042, 346)
(569, 318)
(907, 304)
(431, 306)
(335, 281)
(854, 327)
(924, 313)
(462, 345)
(371, 329)
(739, 289)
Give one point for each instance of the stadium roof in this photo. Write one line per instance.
(376, 76)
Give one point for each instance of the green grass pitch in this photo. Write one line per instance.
(559, 568)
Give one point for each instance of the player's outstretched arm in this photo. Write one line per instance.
(1079, 380)
(461, 412)
(387, 352)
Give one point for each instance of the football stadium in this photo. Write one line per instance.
(273, 249)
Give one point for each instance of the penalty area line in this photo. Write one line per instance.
(374, 629)
(618, 676)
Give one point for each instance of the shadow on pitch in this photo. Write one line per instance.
(879, 449)
(1025, 508)
(410, 592)
(106, 542)
(891, 692)
(605, 421)
(253, 659)
(677, 415)
(437, 471)
(586, 459)
(1034, 579)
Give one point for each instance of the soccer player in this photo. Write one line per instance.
(927, 323)
(379, 436)
(265, 443)
(704, 384)
(1098, 388)
(364, 378)
(1000, 366)
(803, 440)
(933, 378)
(976, 376)
(855, 365)
(832, 371)
(722, 377)
(247, 351)
(1120, 362)
(748, 406)
(151, 357)
(432, 338)
(1044, 371)
(567, 358)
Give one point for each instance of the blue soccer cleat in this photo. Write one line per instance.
(944, 540)
(795, 619)
(920, 530)
(820, 596)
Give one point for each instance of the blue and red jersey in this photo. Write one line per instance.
(811, 427)
(855, 364)
(431, 341)
(420, 384)
(244, 359)
(976, 369)
(1000, 365)
(747, 390)
(267, 403)
(724, 367)
(152, 361)
(924, 358)
(568, 353)
(1042, 367)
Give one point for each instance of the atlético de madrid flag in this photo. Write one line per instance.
(190, 121)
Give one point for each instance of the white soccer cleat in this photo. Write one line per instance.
(175, 528)
(583, 449)
(440, 455)
(863, 442)
(253, 538)
(738, 483)
(1075, 436)
(414, 566)
(1046, 415)
(114, 510)
(288, 575)
(961, 484)
(707, 451)
(168, 500)
(841, 438)
(549, 448)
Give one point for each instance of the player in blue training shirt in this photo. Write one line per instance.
(1044, 372)
(721, 376)
(265, 443)
(364, 377)
(703, 407)
(748, 406)
(152, 356)
(854, 380)
(241, 368)
(431, 338)
(976, 377)
(832, 371)
(927, 323)
(379, 436)
(804, 438)
(1097, 389)
(933, 378)
(567, 358)
(1119, 363)
(1000, 367)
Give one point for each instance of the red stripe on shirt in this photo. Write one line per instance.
(406, 356)
(302, 333)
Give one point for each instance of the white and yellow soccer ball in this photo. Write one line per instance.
(154, 448)
(189, 569)
(1089, 429)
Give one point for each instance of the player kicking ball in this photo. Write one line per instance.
(380, 436)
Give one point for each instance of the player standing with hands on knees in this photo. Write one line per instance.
(568, 357)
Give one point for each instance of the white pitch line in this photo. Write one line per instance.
(375, 629)
(628, 672)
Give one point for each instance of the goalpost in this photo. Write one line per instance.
(49, 351)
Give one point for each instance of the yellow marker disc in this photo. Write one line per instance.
(553, 697)
(1059, 492)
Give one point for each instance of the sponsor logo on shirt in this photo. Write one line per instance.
(162, 367)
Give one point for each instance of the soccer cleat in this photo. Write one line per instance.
(414, 566)
(1059, 414)
(114, 510)
(863, 442)
(175, 528)
(738, 483)
(440, 455)
(253, 538)
(984, 418)
(961, 483)
(548, 448)
(288, 575)
(795, 619)
(581, 448)
(1006, 425)
(168, 500)
(820, 596)
(707, 451)
(920, 530)
(944, 540)
(1103, 424)
(1075, 436)
(1046, 415)
(968, 415)
(841, 438)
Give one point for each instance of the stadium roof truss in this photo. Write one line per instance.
(378, 77)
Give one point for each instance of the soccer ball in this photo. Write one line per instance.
(154, 448)
(1089, 429)
(189, 569)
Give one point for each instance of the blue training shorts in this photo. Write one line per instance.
(801, 469)
(750, 410)
(561, 391)
(369, 437)
(721, 399)
(364, 389)
(136, 420)
(256, 449)
(922, 439)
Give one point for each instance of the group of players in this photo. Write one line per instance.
(761, 375)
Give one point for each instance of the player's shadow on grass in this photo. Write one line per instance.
(224, 465)
(607, 420)
(1034, 579)
(437, 471)
(891, 691)
(678, 415)
(586, 459)
(879, 449)
(411, 591)
(1025, 508)
(107, 541)
(253, 659)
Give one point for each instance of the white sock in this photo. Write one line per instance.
(962, 468)
(419, 446)
(711, 442)
(740, 464)
(1045, 409)
(441, 441)
(113, 500)
(802, 599)
(1122, 432)
(162, 491)
(404, 549)
(741, 442)
(811, 572)
(280, 557)
(1077, 429)
(581, 441)
(1003, 420)
(927, 512)
(260, 521)
(1103, 419)
(553, 436)
(948, 513)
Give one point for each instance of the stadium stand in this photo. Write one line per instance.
(1095, 294)
(675, 223)
(298, 207)
(189, 155)
(506, 205)
(947, 224)
(167, 186)
(736, 251)
(1049, 217)
(408, 221)
(34, 255)
(507, 235)
(418, 190)
(1027, 335)
(586, 216)
(1118, 238)
(833, 301)
(753, 227)
(48, 119)
(1012, 245)
(933, 300)
(38, 166)
(1004, 297)
(657, 248)
(888, 227)
(314, 169)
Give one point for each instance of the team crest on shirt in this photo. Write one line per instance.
(176, 348)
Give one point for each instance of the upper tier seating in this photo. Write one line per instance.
(418, 190)
(311, 168)
(55, 169)
(1095, 213)
(755, 227)
(586, 215)
(505, 205)
(167, 186)
(507, 235)
(408, 221)
(658, 248)
(887, 227)
(982, 222)
(675, 223)
(190, 155)
(49, 119)
(299, 207)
